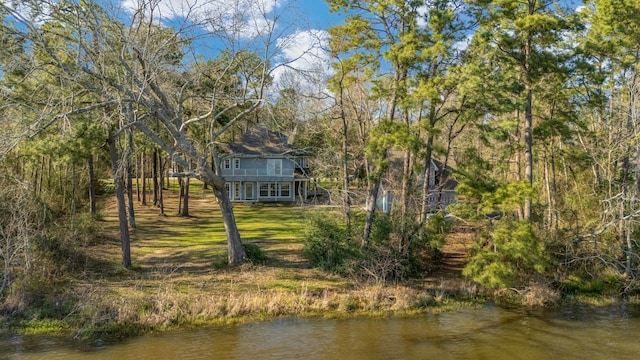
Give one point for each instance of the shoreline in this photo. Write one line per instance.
(137, 315)
(177, 280)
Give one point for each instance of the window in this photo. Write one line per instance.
(273, 189)
(302, 162)
(236, 163)
(285, 189)
(269, 189)
(227, 188)
(264, 189)
(274, 167)
(227, 163)
(236, 190)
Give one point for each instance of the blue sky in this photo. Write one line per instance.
(318, 13)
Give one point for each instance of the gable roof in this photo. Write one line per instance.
(258, 140)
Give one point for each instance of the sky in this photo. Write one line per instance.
(318, 13)
(301, 29)
(303, 26)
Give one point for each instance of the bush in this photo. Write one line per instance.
(504, 260)
(255, 254)
(424, 251)
(379, 263)
(326, 243)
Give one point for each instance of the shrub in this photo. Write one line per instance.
(255, 254)
(326, 243)
(424, 251)
(510, 254)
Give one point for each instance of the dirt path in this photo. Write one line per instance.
(455, 254)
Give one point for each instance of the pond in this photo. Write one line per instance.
(490, 332)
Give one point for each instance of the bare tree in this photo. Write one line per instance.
(139, 71)
(20, 221)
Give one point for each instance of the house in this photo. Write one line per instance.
(441, 187)
(262, 167)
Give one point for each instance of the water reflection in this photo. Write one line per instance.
(488, 333)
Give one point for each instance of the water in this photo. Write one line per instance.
(576, 332)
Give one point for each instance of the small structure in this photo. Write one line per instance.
(262, 167)
(441, 187)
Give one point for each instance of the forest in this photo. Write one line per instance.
(531, 105)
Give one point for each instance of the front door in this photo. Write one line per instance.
(248, 191)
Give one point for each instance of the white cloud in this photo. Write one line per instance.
(243, 18)
(300, 52)
(24, 11)
(304, 52)
(462, 45)
(422, 16)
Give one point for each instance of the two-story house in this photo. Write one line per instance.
(441, 186)
(261, 166)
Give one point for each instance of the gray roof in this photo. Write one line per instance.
(258, 140)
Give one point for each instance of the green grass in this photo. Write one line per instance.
(259, 224)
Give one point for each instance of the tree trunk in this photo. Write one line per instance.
(132, 214)
(345, 172)
(160, 188)
(180, 193)
(370, 208)
(92, 185)
(122, 210)
(168, 163)
(631, 178)
(528, 152)
(425, 182)
(143, 175)
(137, 172)
(74, 185)
(404, 202)
(236, 251)
(184, 189)
(155, 177)
(554, 188)
(547, 186)
(528, 129)
(42, 169)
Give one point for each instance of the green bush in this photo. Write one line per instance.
(509, 255)
(220, 262)
(424, 251)
(597, 285)
(326, 243)
(255, 254)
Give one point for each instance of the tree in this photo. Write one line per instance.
(377, 35)
(22, 220)
(133, 71)
(522, 38)
(607, 68)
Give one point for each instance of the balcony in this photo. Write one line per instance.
(256, 175)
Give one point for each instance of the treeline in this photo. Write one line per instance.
(532, 106)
